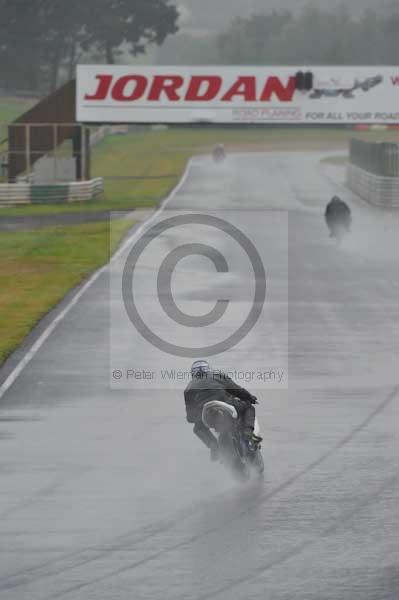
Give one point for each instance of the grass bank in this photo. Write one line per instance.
(336, 160)
(162, 155)
(37, 269)
(11, 108)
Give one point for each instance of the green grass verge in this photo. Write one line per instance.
(37, 269)
(165, 153)
(335, 160)
(11, 108)
(161, 153)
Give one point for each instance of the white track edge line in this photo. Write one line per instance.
(12, 377)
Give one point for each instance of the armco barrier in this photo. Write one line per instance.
(380, 158)
(26, 193)
(373, 172)
(376, 189)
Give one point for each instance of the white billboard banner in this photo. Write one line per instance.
(160, 94)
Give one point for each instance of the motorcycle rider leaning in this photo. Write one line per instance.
(207, 385)
(337, 213)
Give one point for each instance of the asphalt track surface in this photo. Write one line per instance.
(105, 494)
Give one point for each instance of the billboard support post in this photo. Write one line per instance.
(27, 150)
(55, 145)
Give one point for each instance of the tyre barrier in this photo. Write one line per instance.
(377, 189)
(57, 193)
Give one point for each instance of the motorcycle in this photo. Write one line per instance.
(338, 219)
(236, 454)
(219, 154)
(338, 229)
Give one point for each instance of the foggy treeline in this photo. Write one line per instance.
(309, 36)
(215, 15)
(41, 42)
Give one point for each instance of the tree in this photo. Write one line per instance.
(247, 41)
(61, 34)
(136, 23)
(312, 36)
(390, 41)
(186, 49)
(39, 38)
(19, 50)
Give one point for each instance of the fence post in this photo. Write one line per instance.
(55, 145)
(87, 153)
(77, 151)
(27, 150)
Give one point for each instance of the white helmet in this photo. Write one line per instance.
(200, 366)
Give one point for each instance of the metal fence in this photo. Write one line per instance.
(378, 158)
(37, 150)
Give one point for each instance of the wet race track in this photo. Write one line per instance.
(105, 492)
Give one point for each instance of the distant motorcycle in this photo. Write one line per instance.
(236, 454)
(338, 218)
(219, 154)
(338, 231)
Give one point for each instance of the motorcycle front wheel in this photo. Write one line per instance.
(258, 463)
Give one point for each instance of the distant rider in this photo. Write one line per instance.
(207, 385)
(219, 153)
(337, 213)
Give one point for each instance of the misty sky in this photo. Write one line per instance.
(216, 14)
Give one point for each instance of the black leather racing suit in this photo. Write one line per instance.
(215, 385)
(338, 213)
